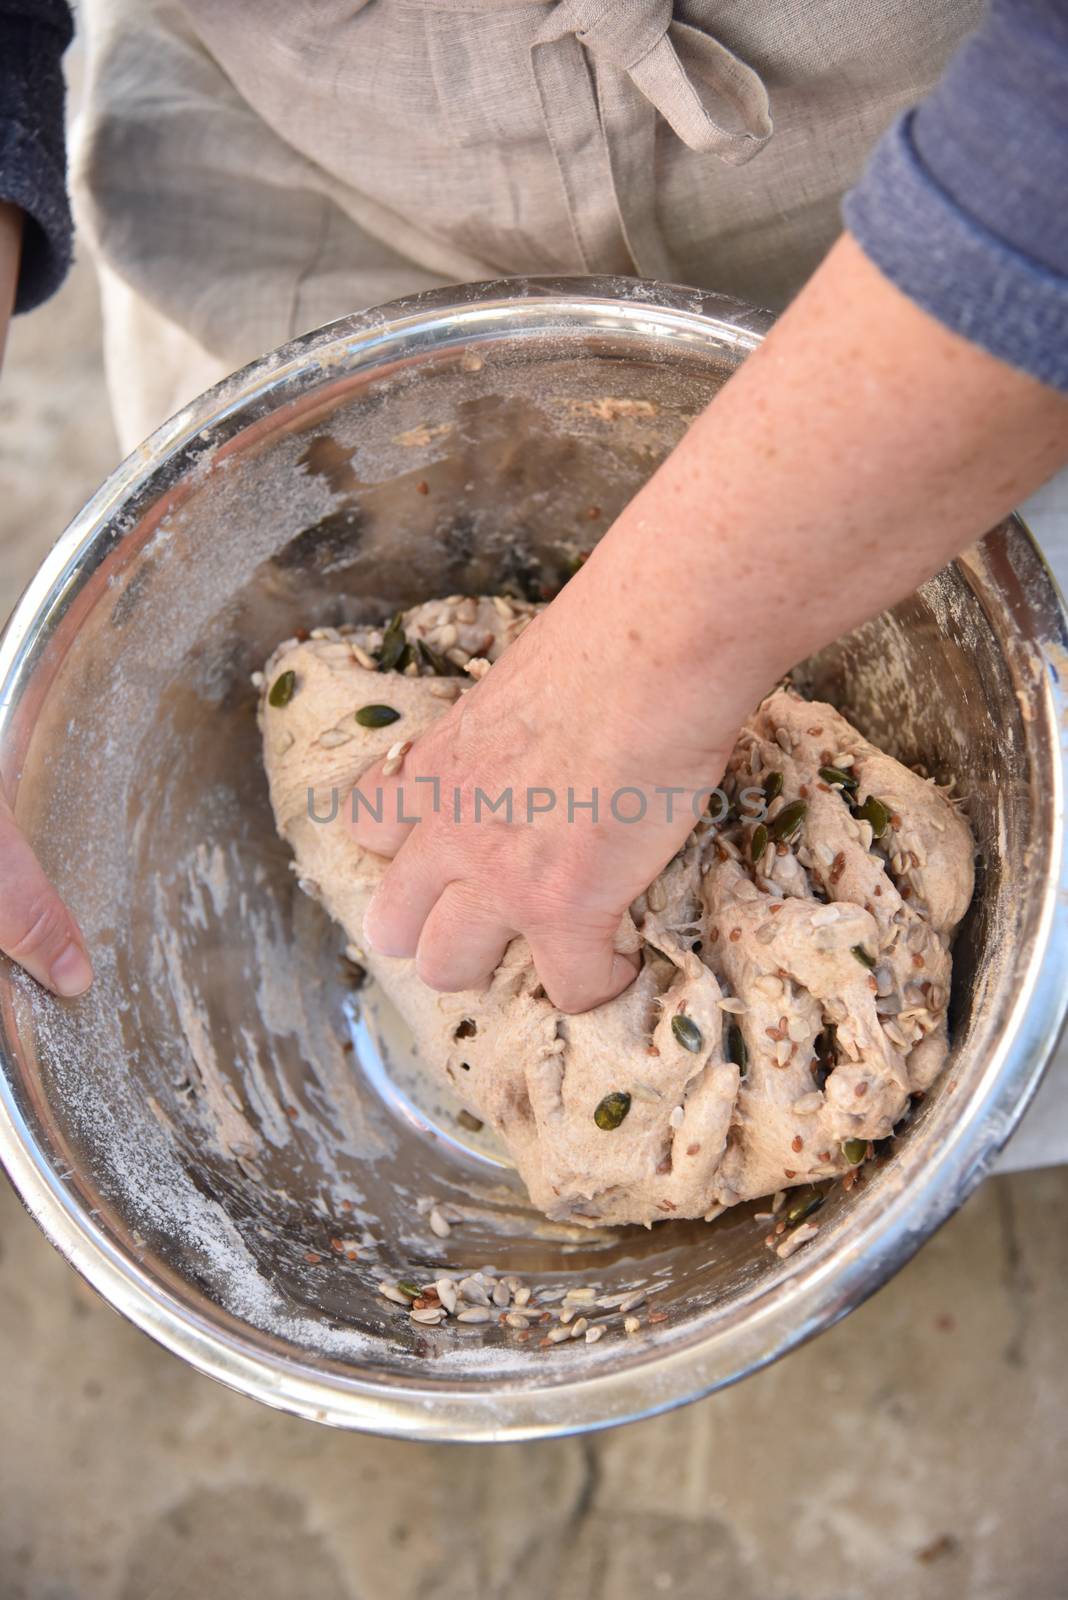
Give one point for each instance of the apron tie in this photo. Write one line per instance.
(713, 101)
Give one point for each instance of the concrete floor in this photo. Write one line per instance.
(917, 1449)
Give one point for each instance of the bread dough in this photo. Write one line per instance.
(824, 967)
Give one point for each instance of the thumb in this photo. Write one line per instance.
(36, 929)
(389, 800)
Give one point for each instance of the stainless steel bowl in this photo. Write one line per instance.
(194, 1134)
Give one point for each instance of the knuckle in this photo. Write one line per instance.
(44, 924)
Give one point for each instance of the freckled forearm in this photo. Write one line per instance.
(856, 452)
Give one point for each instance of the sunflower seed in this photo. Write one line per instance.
(656, 896)
(783, 1051)
(843, 759)
(333, 738)
(732, 1004)
(395, 757)
(579, 1328)
(257, 680)
(583, 1295)
(446, 1292)
(515, 1319)
(502, 608)
(502, 1296)
(631, 1325)
(794, 1240)
(391, 1292)
(285, 741)
(475, 1314)
(522, 1295)
(430, 1314)
(677, 1117)
(558, 1335)
(473, 1292)
(439, 1225)
(630, 1301)
(646, 1093)
(782, 739)
(365, 660)
(824, 915)
(593, 1334)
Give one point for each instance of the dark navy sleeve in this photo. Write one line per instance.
(964, 204)
(33, 37)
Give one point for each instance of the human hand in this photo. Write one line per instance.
(567, 712)
(36, 929)
(859, 449)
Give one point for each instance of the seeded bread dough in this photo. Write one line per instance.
(785, 1009)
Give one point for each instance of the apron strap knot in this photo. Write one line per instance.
(713, 100)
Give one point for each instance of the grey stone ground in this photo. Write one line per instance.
(917, 1450)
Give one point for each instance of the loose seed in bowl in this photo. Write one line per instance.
(686, 1032)
(805, 1203)
(375, 716)
(282, 690)
(612, 1110)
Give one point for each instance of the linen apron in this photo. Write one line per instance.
(248, 169)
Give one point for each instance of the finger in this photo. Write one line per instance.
(581, 970)
(36, 929)
(385, 806)
(461, 944)
(403, 901)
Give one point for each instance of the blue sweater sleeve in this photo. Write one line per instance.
(964, 203)
(33, 37)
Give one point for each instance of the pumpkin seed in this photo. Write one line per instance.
(282, 689)
(377, 716)
(863, 957)
(836, 775)
(854, 1150)
(789, 820)
(687, 1032)
(612, 1109)
(758, 844)
(772, 787)
(394, 646)
(803, 1205)
(412, 1290)
(437, 663)
(874, 812)
(736, 1048)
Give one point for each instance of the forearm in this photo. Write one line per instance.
(855, 453)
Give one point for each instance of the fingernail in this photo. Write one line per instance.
(71, 973)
